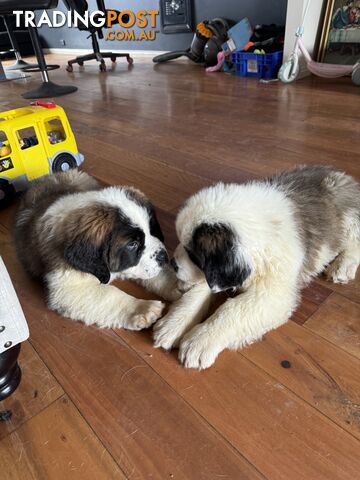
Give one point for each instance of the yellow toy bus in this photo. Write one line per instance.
(34, 141)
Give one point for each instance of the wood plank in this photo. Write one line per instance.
(223, 118)
(338, 320)
(37, 390)
(244, 156)
(166, 147)
(311, 299)
(276, 431)
(56, 444)
(349, 290)
(146, 427)
(148, 176)
(321, 374)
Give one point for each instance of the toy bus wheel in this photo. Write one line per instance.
(7, 193)
(63, 162)
(288, 71)
(355, 77)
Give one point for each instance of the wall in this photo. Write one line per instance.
(258, 11)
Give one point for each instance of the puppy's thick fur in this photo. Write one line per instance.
(78, 237)
(264, 240)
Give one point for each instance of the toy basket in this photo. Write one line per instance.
(260, 65)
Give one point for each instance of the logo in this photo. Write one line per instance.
(145, 20)
(134, 26)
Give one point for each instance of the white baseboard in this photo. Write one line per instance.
(85, 51)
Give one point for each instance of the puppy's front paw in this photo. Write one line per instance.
(199, 348)
(168, 332)
(342, 269)
(146, 313)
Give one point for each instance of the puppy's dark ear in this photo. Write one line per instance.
(155, 228)
(215, 252)
(141, 200)
(88, 258)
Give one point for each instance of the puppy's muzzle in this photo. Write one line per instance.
(162, 257)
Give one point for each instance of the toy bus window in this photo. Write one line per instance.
(55, 131)
(27, 138)
(5, 148)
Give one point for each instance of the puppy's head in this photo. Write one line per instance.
(213, 251)
(118, 237)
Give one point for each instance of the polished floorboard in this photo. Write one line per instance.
(104, 404)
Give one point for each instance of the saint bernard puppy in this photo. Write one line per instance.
(78, 237)
(262, 242)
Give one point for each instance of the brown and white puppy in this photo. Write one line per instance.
(78, 237)
(265, 240)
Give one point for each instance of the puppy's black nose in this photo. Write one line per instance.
(162, 257)
(174, 265)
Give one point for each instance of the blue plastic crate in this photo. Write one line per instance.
(260, 65)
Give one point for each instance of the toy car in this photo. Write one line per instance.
(34, 141)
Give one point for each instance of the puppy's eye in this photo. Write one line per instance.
(132, 245)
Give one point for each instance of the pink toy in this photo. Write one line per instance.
(220, 63)
(290, 69)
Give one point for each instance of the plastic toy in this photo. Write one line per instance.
(34, 141)
(290, 69)
(238, 37)
(257, 64)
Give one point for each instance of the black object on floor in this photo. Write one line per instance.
(5, 415)
(10, 373)
(47, 88)
(285, 364)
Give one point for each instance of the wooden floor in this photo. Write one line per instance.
(96, 404)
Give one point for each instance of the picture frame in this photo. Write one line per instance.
(340, 35)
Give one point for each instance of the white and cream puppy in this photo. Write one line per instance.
(78, 237)
(261, 241)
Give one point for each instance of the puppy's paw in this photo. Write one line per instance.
(199, 348)
(341, 270)
(146, 313)
(168, 332)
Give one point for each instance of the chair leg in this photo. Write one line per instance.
(19, 63)
(98, 56)
(10, 373)
(47, 88)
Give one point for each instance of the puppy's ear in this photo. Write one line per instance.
(87, 233)
(88, 258)
(214, 250)
(141, 200)
(155, 228)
